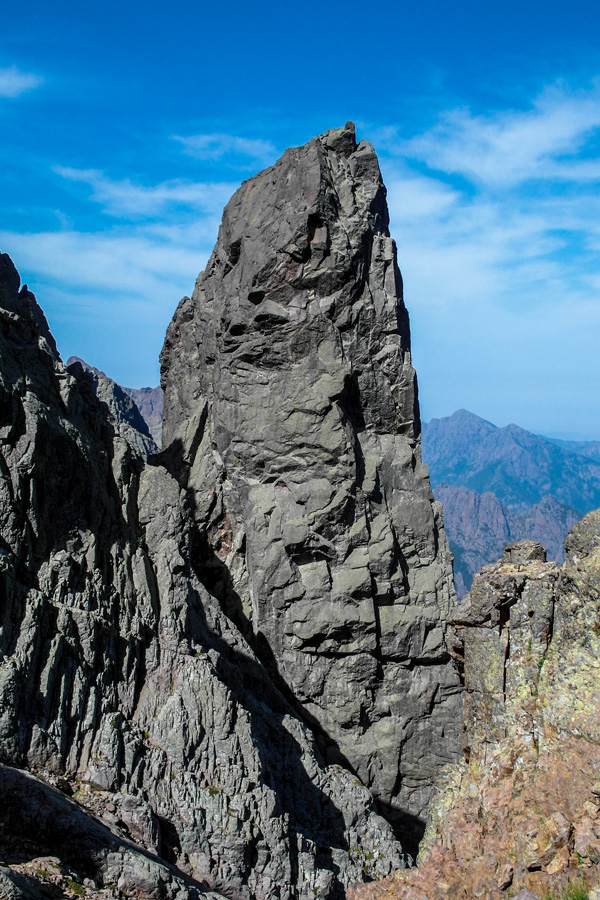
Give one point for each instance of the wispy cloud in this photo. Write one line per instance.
(126, 275)
(125, 198)
(501, 264)
(217, 146)
(509, 147)
(109, 295)
(13, 82)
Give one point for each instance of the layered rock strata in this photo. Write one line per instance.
(290, 405)
(522, 811)
(122, 681)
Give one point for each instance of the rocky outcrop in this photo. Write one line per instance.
(291, 410)
(121, 676)
(121, 409)
(51, 847)
(149, 401)
(522, 811)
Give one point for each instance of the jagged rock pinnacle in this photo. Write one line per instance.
(291, 400)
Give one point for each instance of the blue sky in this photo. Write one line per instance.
(126, 127)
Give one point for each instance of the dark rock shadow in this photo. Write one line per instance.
(311, 813)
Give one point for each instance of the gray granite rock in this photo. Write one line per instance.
(120, 676)
(121, 408)
(35, 814)
(291, 420)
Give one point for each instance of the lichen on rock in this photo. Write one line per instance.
(521, 812)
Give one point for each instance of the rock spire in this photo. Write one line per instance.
(291, 407)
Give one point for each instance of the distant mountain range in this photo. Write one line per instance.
(502, 484)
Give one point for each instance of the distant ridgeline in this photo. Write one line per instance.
(503, 484)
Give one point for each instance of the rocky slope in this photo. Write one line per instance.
(120, 673)
(522, 811)
(149, 401)
(505, 484)
(290, 398)
(182, 637)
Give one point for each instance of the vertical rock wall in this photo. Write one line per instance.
(291, 414)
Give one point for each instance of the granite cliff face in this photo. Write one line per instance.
(184, 636)
(290, 400)
(522, 811)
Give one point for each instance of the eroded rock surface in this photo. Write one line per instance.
(121, 676)
(522, 811)
(290, 402)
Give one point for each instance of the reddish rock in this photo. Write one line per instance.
(520, 816)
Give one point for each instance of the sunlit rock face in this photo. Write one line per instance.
(291, 407)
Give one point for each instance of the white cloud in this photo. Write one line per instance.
(509, 147)
(13, 82)
(125, 198)
(109, 296)
(106, 262)
(216, 146)
(502, 266)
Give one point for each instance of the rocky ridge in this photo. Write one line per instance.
(121, 675)
(149, 666)
(521, 812)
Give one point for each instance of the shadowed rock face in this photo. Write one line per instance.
(291, 411)
(122, 407)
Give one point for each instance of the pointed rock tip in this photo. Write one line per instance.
(341, 140)
(10, 283)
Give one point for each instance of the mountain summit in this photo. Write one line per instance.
(290, 394)
(505, 484)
